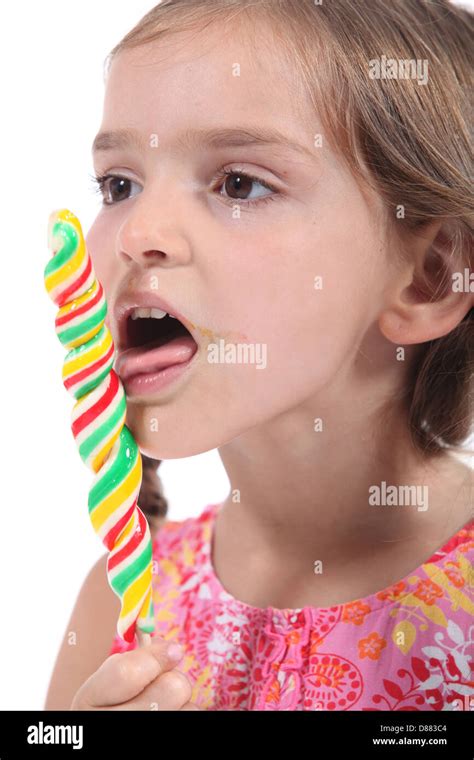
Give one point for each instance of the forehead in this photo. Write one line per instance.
(214, 75)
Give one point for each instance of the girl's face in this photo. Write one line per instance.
(290, 264)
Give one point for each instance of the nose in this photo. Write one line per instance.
(149, 236)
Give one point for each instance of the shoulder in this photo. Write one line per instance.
(460, 544)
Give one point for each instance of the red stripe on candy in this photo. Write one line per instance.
(77, 312)
(131, 545)
(70, 381)
(63, 297)
(129, 634)
(110, 538)
(103, 402)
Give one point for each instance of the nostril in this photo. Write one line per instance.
(154, 254)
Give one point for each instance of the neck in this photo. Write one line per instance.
(294, 487)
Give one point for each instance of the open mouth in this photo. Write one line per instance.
(153, 331)
(155, 348)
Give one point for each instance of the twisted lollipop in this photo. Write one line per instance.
(105, 443)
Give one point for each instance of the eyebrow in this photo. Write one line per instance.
(213, 138)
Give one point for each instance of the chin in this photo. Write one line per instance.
(160, 438)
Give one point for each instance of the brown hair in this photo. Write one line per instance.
(410, 142)
(151, 498)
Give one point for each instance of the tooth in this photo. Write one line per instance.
(147, 313)
(142, 312)
(157, 313)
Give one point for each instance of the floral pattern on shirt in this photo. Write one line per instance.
(406, 647)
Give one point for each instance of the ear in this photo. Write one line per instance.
(431, 292)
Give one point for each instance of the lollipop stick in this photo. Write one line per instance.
(144, 639)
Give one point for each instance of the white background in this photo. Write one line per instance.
(51, 58)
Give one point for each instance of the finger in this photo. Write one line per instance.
(170, 691)
(191, 706)
(124, 675)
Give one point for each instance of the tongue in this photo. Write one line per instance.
(154, 356)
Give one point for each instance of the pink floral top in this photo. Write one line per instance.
(408, 647)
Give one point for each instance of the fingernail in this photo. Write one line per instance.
(175, 651)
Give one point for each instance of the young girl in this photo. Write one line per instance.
(288, 179)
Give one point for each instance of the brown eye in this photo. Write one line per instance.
(119, 189)
(238, 185)
(115, 189)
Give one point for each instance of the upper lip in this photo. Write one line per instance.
(124, 306)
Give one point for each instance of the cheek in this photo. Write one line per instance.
(104, 261)
(101, 252)
(305, 347)
(106, 265)
(310, 327)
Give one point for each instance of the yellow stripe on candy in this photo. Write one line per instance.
(135, 593)
(98, 460)
(103, 512)
(144, 610)
(87, 357)
(64, 215)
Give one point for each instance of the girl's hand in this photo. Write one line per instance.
(143, 679)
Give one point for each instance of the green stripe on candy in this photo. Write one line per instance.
(68, 249)
(89, 385)
(123, 580)
(118, 471)
(103, 432)
(72, 333)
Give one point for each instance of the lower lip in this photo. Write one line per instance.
(153, 382)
